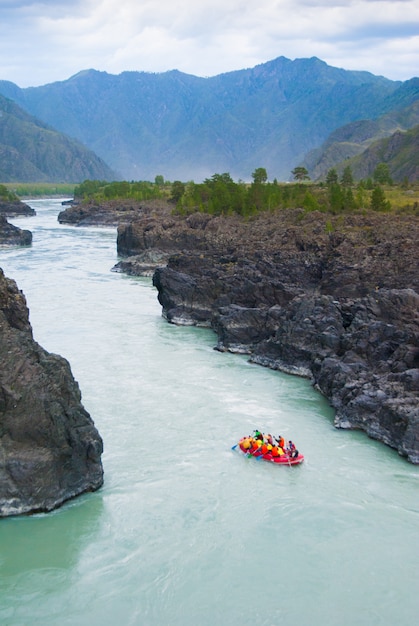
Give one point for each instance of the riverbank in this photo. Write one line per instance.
(330, 297)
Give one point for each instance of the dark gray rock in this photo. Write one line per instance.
(16, 209)
(50, 450)
(332, 298)
(12, 235)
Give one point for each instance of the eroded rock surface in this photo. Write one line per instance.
(333, 298)
(50, 450)
(15, 208)
(11, 235)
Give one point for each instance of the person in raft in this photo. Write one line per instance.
(292, 450)
(280, 441)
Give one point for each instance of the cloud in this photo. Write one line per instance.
(51, 40)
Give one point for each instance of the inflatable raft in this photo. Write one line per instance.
(284, 458)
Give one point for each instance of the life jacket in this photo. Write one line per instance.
(275, 451)
(245, 443)
(264, 448)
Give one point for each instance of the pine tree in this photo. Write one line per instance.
(347, 179)
(378, 200)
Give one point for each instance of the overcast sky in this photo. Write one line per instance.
(42, 41)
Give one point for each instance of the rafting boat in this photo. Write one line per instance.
(286, 458)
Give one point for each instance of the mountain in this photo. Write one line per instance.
(400, 152)
(353, 138)
(31, 151)
(185, 127)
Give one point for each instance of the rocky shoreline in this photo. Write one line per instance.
(335, 300)
(16, 209)
(331, 298)
(50, 450)
(12, 235)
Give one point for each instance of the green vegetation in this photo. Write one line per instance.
(381, 174)
(6, 195)
(32, 152)
(378, 200)
(300, 173)
(221, 195)
(40, 190)
(101, 190)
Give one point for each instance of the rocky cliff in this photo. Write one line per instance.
(333, 298)
(50, 450)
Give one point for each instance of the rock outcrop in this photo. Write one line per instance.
(50, 450)
(12, 235)
(15, 209)
(111, 213)
(332, 298)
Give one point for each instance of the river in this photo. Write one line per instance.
(186, 531)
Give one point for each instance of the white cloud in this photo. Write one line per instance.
(50, 40)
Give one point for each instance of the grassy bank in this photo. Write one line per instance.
(41, 190)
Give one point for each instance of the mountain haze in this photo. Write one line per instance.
(400, 152)
(31, 151)
(185, 127)
(354, 138)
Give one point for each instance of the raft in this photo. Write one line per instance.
(284, 459)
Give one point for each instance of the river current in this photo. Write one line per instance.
(187, 531)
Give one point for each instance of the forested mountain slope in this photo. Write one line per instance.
(353, 138)
(400, 152)
(31, 151)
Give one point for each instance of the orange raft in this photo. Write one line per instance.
(259, 453)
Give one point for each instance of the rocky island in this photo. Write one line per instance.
(50, 450)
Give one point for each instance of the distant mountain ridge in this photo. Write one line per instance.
(185, 127)
(31, 151)
(400, 152)
(354, 138)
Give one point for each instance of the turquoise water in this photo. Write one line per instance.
(186, 531)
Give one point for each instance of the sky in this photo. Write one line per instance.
(43, 41)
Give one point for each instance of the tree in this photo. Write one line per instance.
(336, 198)
(259, 175)
(215, 179)
(300, 173)
(310, 203)
(378, 200)
(347, 179)
(159, 180)
(178, 189)
(332, 177)
(381, 174)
